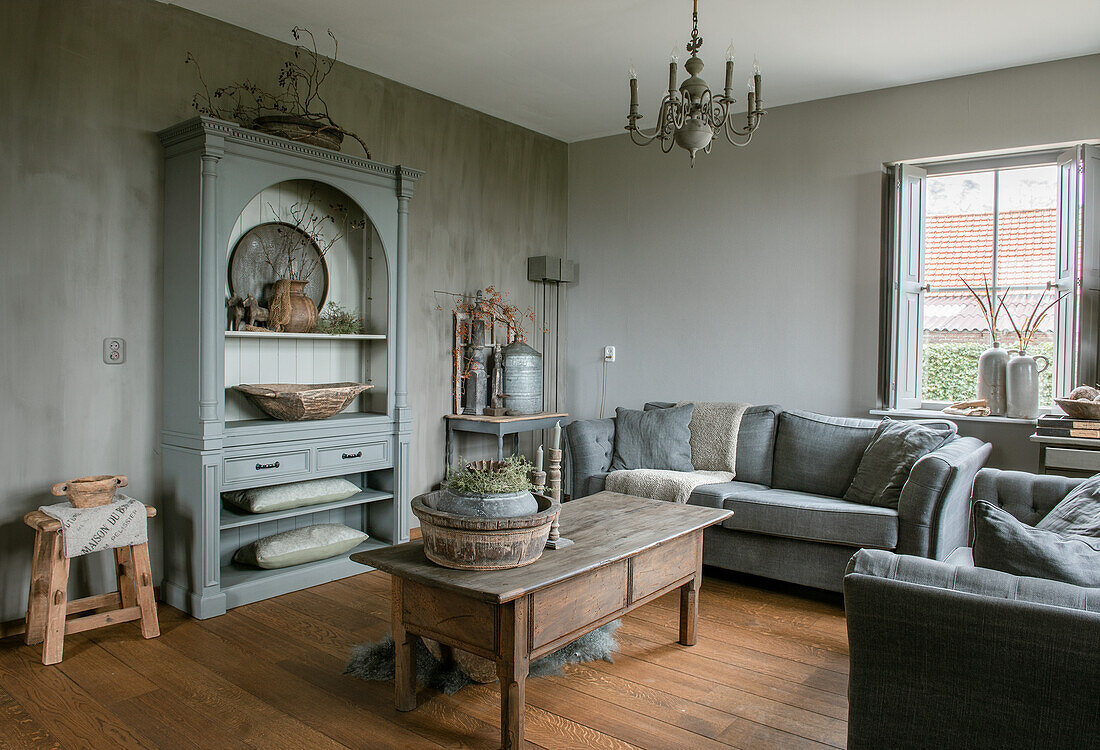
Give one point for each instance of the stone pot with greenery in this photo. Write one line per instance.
(490, 489)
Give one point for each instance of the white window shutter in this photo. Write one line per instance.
(1066, 273)
(908, 293)
(1087, 230)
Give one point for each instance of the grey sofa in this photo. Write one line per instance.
(947, 655)
(789, 520)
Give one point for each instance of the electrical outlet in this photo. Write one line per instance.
(609, 354)
(114, 351)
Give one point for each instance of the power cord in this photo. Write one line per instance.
(603, 386)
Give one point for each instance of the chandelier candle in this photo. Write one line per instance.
(690, 115)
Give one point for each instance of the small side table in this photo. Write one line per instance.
(1068, 456)
(499, 426)
(47, 605)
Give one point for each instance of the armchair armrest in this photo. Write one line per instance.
(934, 509)
(967, 657)
(590, 443)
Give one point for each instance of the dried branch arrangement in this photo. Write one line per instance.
(489, 308)
(298, 93)
(300, 225)
(1026, 332)
(991, 307)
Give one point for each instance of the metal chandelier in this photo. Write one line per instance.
(691, 116)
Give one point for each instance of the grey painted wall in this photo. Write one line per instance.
(755, 275)
(84, 86)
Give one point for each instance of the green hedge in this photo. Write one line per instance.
(951, 371)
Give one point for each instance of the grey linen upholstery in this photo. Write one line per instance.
(789, 522)
(948, 655)
(815, 518)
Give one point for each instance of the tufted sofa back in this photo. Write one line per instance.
(1028, 497)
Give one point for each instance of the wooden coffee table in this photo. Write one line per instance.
(627, 551)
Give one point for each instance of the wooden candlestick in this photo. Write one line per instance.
(538, 479)
(555, 541)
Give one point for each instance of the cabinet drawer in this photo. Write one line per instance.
(665, 564)
(266, 466)
(355, 457)
(1073, 458)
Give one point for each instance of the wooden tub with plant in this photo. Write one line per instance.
(486, 518)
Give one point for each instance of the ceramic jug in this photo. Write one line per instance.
(992, 368)
(1023, 385)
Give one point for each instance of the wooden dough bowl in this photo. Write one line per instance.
(90, 492)
(477, 543)
(294, 402)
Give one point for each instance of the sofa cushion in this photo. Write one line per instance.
(756, 443)
(1002, 542)
(714, 495)
(1079, 513)
(656, 439)
(817, 518)
(889, 458)
(962, 557)
(818, 454)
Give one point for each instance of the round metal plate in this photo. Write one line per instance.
(250, 273)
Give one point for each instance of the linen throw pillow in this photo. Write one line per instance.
(1078, 513)
(1001, 542)
(292, 495)
(307, 544)
(657, 439)
(888, 459)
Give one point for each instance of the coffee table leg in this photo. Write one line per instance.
(512, 670)
(404, 663)
(689, 599)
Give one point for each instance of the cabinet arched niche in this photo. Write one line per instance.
(221, 181)
(347, 268)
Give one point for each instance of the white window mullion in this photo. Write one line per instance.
(1066, 274)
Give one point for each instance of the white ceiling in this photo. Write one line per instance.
(560, 66)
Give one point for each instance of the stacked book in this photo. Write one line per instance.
(1063, 426)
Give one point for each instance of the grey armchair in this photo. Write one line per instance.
(947, 655)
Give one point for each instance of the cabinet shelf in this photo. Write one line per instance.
(244, 584)
(324, 336)
(233, 518)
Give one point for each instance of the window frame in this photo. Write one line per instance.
(903, 286)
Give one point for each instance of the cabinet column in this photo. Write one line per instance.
(401, 387)
(208, 282)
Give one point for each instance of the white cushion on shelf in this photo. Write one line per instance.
(307, 544)
(293, 495)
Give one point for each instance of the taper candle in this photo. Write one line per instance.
(556, 444)
(538, 459)
(672, 72)
(729, 71)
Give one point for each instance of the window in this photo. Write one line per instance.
(1025, 227)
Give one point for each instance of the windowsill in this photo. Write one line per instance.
(935, 414)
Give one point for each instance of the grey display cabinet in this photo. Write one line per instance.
(218, 178)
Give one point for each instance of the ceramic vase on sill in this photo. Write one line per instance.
(992, 377)
(1023, 385)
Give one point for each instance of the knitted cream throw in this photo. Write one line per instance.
(661, 484)
(714, 426)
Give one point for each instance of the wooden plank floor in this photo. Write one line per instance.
(769, 671)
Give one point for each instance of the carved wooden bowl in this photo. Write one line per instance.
(476, 543)
(90, 492)
(294, 402)
(1079, 409)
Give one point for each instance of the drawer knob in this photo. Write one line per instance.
(352, 455)
(261, 467)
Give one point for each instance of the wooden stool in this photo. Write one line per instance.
(47, 606)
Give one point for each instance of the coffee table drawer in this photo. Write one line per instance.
(266, 467)
(565, 607)
(451, 616)
(355, 456)
(664, 564)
